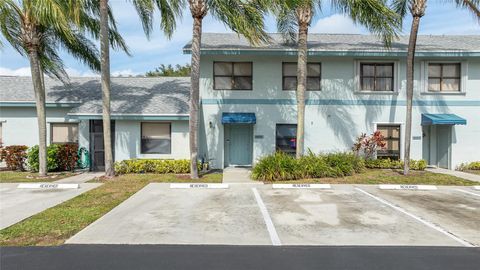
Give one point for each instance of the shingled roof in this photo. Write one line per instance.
(342, 42)
(129, 95)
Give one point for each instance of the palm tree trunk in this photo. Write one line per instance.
(105, 70)
(301, 86)
(195, 95)
(410, 74)
(39, 88)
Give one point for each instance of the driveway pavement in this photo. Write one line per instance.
(19, 204)
(259, 215)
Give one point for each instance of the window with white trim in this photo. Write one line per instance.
(64, 133)
(444, 77)
(391, 134)
(289, 76)
(156, 138)
(377, 77)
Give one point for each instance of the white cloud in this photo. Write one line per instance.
(336, 24)
(124, 73)
(23, 71)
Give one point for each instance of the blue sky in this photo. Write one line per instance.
(440, 18)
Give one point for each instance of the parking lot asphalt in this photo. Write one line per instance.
(18, 204)
(247, 214)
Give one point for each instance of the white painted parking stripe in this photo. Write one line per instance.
(198, 185)
(417, 218)
(408, 187)
(468, 192)
(477, 187)
(268, 221)
(302, 186)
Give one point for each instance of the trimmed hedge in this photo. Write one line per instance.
(60, 157)
(469, 166)
(387, 163)
(281, 166)
(160, 166)
(14, 156)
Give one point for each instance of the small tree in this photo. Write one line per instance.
(368, 145)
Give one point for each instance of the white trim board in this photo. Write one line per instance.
(407, 187)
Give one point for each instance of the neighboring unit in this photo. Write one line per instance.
(355, 85)
(149, 116)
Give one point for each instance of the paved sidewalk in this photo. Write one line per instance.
(80, 178)
(237, 175)
(464, 175)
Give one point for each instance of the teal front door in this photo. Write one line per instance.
(238, 145)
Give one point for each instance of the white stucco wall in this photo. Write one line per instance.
(333, 127)
(128, 139)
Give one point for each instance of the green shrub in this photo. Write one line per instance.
(14, 156)
(160, 166)
(281, 166)
(387, 163)
(67, 156)
(469, 166)
(52, 159)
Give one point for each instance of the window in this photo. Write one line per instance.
(444, 77)
(156, 138)
(64, 133)
(289, 76)
(286, 138)
(376, 77)
(1, 134)
(391, 133)
(232, 75)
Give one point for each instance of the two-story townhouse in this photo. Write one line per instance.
(355, 85)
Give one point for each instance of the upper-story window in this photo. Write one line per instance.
(232, 75)
(289, 75)
(443, 77)
(377, 77)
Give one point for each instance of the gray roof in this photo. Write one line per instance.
(344, 42)
(129, 95)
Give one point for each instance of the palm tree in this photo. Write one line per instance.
(169, 11)
(294, 18)
(38, 29)
(417, 10)
(243, 17)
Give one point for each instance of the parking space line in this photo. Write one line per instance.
(268, 221)
(419, 219)
(468, 192)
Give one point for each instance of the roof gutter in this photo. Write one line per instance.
(33, 104)
(146, 117)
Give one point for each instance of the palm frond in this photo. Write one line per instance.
(471, 5)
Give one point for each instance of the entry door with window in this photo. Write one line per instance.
(97, 150)
(238, 145)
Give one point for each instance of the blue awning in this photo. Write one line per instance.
(442, 119)
(238, 118)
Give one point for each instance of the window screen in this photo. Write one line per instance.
(443, 77)
(156, 138)
(232, 75)
(64, 133)
(391, 133)
(289, 76)
(376, 76)
(286, 138)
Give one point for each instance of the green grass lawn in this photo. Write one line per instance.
(17, 177)
(55, 225)
(391, 177)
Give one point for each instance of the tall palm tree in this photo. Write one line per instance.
(243, 17)
(170, 10)
(37, 29)
(417, 9)
(294, 18)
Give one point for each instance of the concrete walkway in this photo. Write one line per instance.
(234, 175)
(464, 175)
(80, 178)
